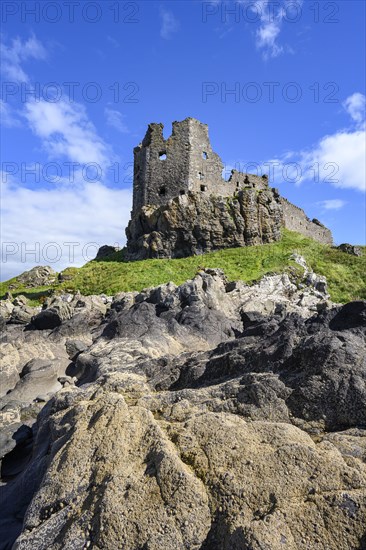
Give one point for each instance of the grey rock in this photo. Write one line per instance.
(64, 276)
(106, 251)
(350, 249)
(235, 411)
(20, 300)
(9, 376)
(74, 347)
(66, 380)
(47, 319)
(9, 424)
(221, 451)
(16, 456)
(6, 308)
(22, 315)
(41, 275)
(38, 376)
(195, 223)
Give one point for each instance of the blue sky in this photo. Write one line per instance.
(280, 84)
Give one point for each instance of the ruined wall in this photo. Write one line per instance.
(164, 169)
(161, 167)
(205, 166)
(295, 219)
(241, 180)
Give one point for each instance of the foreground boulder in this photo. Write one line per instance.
(125, 479)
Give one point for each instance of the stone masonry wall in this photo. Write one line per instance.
(295, 219)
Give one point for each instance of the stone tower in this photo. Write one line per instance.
(164, 169)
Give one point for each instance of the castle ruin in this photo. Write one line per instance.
(166, 168)
(185, 165)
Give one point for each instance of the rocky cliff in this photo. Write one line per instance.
(195, 223)
(212, 415)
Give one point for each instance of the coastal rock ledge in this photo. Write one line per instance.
(210, 415)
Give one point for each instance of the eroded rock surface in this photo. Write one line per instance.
(194, 223)
(213, 415)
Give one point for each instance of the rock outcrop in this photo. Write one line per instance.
(210, 415)
(106, 251)
(350, 249)
(196, 223)
(41, 275)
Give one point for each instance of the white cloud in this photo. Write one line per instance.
(338, 159)
(74, 211)
(65, 130)
(115, 119)
(332, 204)
(18, 52)
(169, 24)
(355, 106)
(341, 159)
(8, 116)
(91, 213)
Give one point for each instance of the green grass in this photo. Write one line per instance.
(345, 273)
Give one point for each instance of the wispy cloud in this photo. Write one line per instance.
(113, 41)
(8, 115)
(331, 204)
(66, 131)
(355, 106)
(267, 35)
(169, 24)
(116, 120)
(271, 16)
(16, 53)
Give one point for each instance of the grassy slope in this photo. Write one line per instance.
(345, 273)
